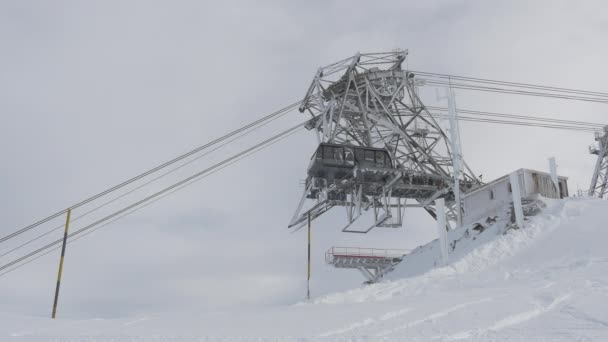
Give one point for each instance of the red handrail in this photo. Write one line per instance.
(364, 252)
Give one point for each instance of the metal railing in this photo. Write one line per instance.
(363, 252)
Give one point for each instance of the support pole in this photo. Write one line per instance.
(519, 213)
(456, 153)
(441, 230)
(554, 179)
(65, 239)
(308, 277)
(599, 179)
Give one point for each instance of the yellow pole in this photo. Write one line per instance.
(308, 279)
(65, 239)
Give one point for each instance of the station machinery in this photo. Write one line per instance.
(379, 147)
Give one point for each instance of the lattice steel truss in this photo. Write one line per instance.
(599, 181)
(369, 100)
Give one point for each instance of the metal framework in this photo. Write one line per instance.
(599, 181)
(373, 263)
(369, 100)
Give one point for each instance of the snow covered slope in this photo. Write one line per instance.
(546, 282)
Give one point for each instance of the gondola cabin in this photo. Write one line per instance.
(334, 164)
(333, 161)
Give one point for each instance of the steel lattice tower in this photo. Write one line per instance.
(599, 181)
(368, 100)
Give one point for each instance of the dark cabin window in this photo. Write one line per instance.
(509, 188)
(328, 152)
(338, 155)
(359, 155)
(491, 194)
(369, 156)
(348, 156)
(380, 158)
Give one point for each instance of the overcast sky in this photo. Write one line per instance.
(94, 92)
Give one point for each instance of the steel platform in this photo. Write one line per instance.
(373, 263)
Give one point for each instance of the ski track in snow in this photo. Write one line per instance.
(431, 318)
(367, 322)
(506, 322)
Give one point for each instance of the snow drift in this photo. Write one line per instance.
(545, 282)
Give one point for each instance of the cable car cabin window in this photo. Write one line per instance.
(369, 156)
(349, 157)
(380, 160)
(387, 160)
(339, 155)
(359, 155)
(328, 151)
(333, 155)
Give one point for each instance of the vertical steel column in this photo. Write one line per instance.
(599, 181)
(456, 153)
(65, 239)
(441, 229)
(515, 189)
(554, 178)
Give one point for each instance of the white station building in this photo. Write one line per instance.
(487, 201)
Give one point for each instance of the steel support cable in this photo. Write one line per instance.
(519, 123)
(133, 209)
(153, 170)
(523, 123)
(525, 92)
(513, 90)
(553, 124)
(529, 124)
(505, 122)
(449, 77)
(514, 123)
(143, 206)
(573, 125)
(142, 185)
(512, 84)
(522, 117)
(516, 92)
(157, 194)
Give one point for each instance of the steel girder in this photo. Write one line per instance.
(369, 100)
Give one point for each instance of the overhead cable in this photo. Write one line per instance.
(166, 190)
(151, 171)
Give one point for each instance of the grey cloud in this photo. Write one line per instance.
(94, 92)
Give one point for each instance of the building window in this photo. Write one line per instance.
(491, 194)
(510, 188)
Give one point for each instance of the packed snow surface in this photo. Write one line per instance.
(545, 282)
